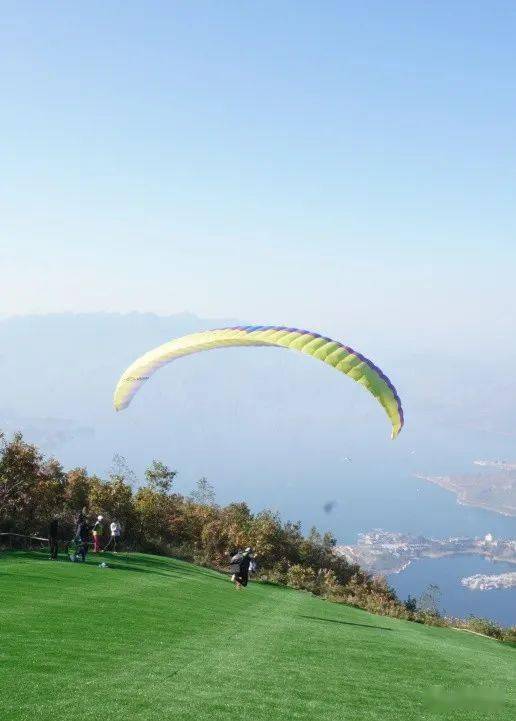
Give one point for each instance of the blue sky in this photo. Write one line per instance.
(346, 166)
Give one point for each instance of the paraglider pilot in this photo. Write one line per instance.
(239, 567)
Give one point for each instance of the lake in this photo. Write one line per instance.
(498, 605)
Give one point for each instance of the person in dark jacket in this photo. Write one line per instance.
(83, 533)
(80, 518)
(240, 567)
(53, 533)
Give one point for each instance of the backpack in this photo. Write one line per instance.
(234, 564)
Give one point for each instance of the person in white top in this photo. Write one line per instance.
(116, 532)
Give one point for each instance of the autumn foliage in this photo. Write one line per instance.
(154, 518)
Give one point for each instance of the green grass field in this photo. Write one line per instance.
(155, 638)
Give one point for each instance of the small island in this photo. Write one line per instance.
(483, 582)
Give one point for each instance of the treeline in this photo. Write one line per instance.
(154, 518)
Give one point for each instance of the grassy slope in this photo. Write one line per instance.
(154, 638)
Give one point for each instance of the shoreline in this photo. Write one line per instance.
(445, 554)
(388, 553)
(461, 494)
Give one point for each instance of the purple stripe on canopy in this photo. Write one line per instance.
(348, 349)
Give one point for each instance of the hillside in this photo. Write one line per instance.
(156, 638)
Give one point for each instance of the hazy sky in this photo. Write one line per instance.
(340, 165)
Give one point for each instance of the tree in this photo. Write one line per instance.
(120, 471)
(19, 465)
(411, 604)
(430, 598)
(77, 491)
(114, 500)
(154, 511)
(204, 493)
(235, 525)
(268, 538)
(31, 487)
(160, 477)
(317, 549)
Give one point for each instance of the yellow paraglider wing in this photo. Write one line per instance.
(341, 357)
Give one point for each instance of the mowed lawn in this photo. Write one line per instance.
(152, 638)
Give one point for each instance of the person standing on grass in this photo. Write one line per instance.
(234, 563)
(79, 519)
(116, 532)
(53, 532)
(240, 568)
(98, 530)
(82, 538)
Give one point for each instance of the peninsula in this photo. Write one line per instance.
(492, 491)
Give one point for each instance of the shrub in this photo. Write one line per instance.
(483, 626)
(326, 584)
(301, 577)
(509, 635)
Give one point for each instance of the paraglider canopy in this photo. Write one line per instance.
(332, 352)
